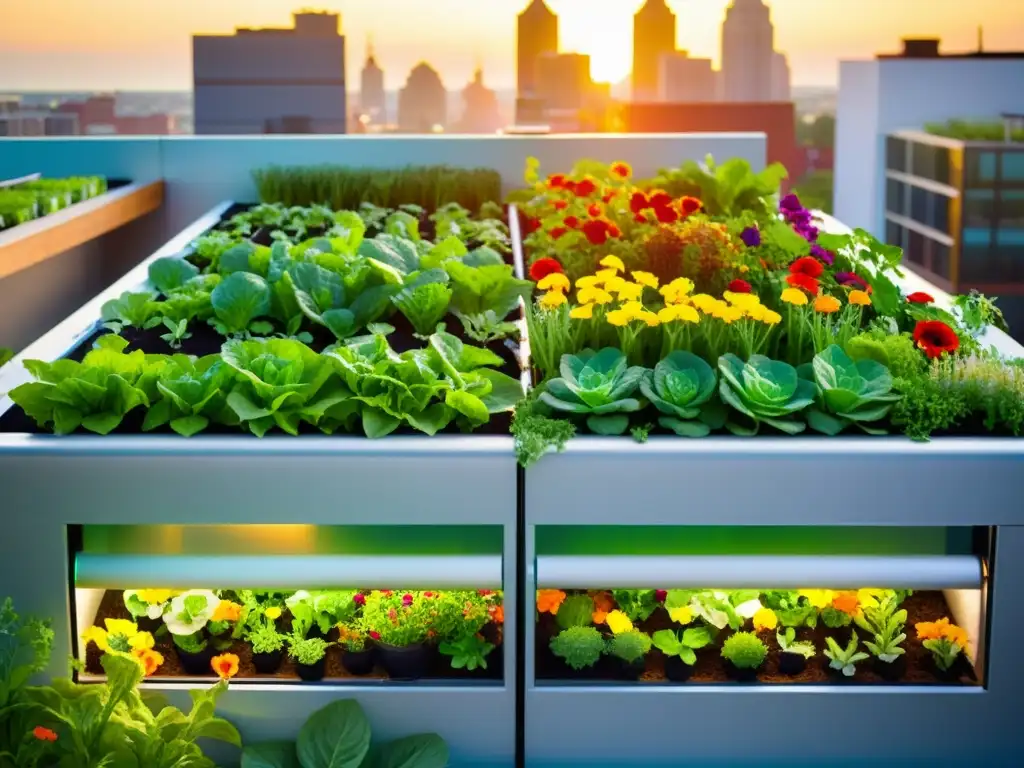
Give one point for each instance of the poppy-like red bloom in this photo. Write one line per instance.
(614, 231)
(561, 205)
(594, 210)
(806, 282)
(585, 188)
(639, 218)
(690, 205)
(665, 214)
(660, 595)
(406, 599)
(659, 199)
(359, 598)
(569, 186)
(557, 232)
(638, 202)
(806, 265)
(374, 634)
(556, 181)
(740, 286)
(596, 231)
(935, 338)
(44, 734)
(485, 592)
(541, 268)
(920, 297)
(571, 222)
(531, 225)
(608, 198)
(621, 170)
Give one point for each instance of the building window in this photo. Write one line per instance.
(980, 168)
(940, 260)
(896, 154)
(893, 234)
(919, 205)
(1013, 167)
(1009, 254)
(974, 259)
(1011, 210)
(894, 200)
(940, 213)
(979, 208)
(930, 162)
(915, 248)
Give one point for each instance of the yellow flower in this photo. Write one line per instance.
(141, 641)
(827, 304)
(794, 296)
(604, 275)
(630, 291)
(613, 262)
(765, 618)
(273, 613)
(819, 598)
(677, 291)
(589, 281)
(96, 635)
(681, 615)
(725, 313)
(556, 281)
(633, 309)
(704, 303)
(225, 665)
(869, 598)
(742, 300)
(770, 317)
(122, 627)
(593, 295)
(154, 596)
(618, 317)
(149, 660)
(614, 283)
(744, 269)
(650, 318)
(756, 312)
(618, 622)
(582, 312)
(646, 279)
(120, 636)
(860, 298)
(552, 300)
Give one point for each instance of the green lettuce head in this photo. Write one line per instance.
(765, 391)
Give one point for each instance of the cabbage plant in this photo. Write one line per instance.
(682, 387)
(193, 393)
(850, 392)
(766, 391)
(599, 385)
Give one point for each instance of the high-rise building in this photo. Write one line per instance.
(781, 87)
(748, 47)
(536, 35)
(423, 102)
(685, 80)
(480, 107)
(905, 91)
(372, 99)
(563, 80)
(654, 34)
(272, 80)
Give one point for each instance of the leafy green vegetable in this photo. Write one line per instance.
(423, 305)
(238, 300)
(396, 257)
(170, 273)
(729, 189)
(193, 392)
(321, 296)
(578, 647)
(5, 355)
(134, 310)
(682, 387)
(851, 393)
(765, 391)
(535, 433)
(599, 384)
(25, 647)
(468, 652)
(682, 645)
(477, 289)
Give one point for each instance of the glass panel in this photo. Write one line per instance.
(893, 233)
(919, 205)
(980, 170)
(896, 154)
(940, 213)
(1009, 253)
(1013, 166)
(974, 259)
(915, 247)
(923, 160)
(1011, 210)
(978, 208)
(894, 196)
(940, 259)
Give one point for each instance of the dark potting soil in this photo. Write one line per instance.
(112, 607)
(711, 668)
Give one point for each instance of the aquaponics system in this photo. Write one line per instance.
(740, 555)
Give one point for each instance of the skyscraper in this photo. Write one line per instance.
(781, 89)
(685, 80)
(536, 35)
(748, 48)
(654, 34)
(372, 101)
(423, 102)
(480, 107)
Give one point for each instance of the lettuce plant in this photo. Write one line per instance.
(682, 387)
(321, 296)
(791, 609)
(238, 300)
(133, 310)
(170, 273)
(765, 391)
(682, 645)
(852, 392)
(599, 385)
(424, 304)
(193, 393)
(789, 644)
(468, 652)
(95, 394)
(479, 287)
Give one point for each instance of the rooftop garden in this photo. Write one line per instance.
(32, 199)
(973, 130)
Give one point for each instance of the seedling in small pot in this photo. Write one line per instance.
(795, 653)
(267, 648)
(744, 653)
(844, 660)
(578, 647)
(679, 650)
(469, 652)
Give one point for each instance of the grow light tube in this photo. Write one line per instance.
(759, 571)
(20, 180)
(287, 571)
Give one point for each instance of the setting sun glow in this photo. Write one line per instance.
(602, 29)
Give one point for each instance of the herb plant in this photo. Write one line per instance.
(745, 650)
(630, 646)
(266, 639)
(575, 611)
(789, 644)
(307, 650)
(637, 604)
(578, 647)
(682, 644)
(885, 623)
(468, 652)
(844, 659)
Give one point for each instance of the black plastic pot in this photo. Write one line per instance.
(677, 670)
(358, 662)
(792, 663)
(406, 663)
(950, 675)
(835, 675)
(312, 672)
(146, 624)
(628, 670)
(890, 671)
(268, 663)
(197, 664)
(740, 675)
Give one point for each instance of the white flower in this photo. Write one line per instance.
(190, 611)
(748, 609)
(155, 611)
(300, 597)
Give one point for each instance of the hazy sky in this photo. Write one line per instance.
(145, 44)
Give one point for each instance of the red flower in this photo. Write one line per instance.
(638, 202)
(660, 595)
(690, 205)
(531, 225)
(800, 280)
(571, 222)
(740, 286)
(640, 218)
(585, 188)
(561, 205)
(359, 599)
(428, 594)
(557, 232)
(935, 338)
(596, 231)
(614, 231)
(569, 186)
(594, 210)
(485, 592)
(920, 297)
(44, 734)
(660, 200)
(621, 170)
(386, 592)
(807, 265)
(608, 198)
(665, 214)
(556, 181)
(374, 634)
(407, 599)
(541, 268)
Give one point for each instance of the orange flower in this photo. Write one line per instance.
(956, 635)
(149, 659)
(497, 613)
(599, 617)
(227, 611)
(225, 665)
(44, 734)
(604, 603)
(936, 630)
(847, 603)
(548, 600)
(827, 305)
(622, 170)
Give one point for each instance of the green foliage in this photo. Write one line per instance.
(483, 287)
(411, 623)
(535, 433)
(973, 130)
(729, 189)
(819, 132)
(745, 650)
(469, 652)
(238, 300)
(833, 618)
(944, 651)
(789, 644)
(265, 639)
(815, 190)
(716, 610)
(844, 659)
(40, 197)
(5, 355)
(193, 393)
(897, 352)
(307, 650)
(25, 647)
(629, 646)
(599, 384)
(578, 647)
(683, 644)
(637, 604)
(851, 392)
(423, 305)
(765, 391)
(886, 624)
(791, 609)
(170, 273)
(977, 312)
(682, 387)
(134, 310)
(575, 611)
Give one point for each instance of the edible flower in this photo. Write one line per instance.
(645, 279)
(571, 222)
(740, 286)
(274, 612)
(806, 265)
(677, 291)
(151, 596)
(593, 295)
(941, 629)
(630, 291)
(548, 600)
(618, 622)
(359, 598)
(638, 202)
(744, 301)
(860, 298)
(149, 659)
(935, 338)
(765, 618)
(407, 599)
(804, 282)
(582, 312)
(683, 312)
(846, 602)
(556, 181)
(690, 205)
(44, 734)
(827, 305)
(794, 296)
(225, 665)
(819, 598)
(552, 300)
(227, 611)
(541, 268)
(588, 281)
(751, 237)
(920, 297)
(585, 188)
(613, 262)
(681, 615)
(594, 210)
(557, 232)
(596, 231)
(120, 636)
(704, 302)
(555, 281)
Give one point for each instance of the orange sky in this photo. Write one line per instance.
(145, 44)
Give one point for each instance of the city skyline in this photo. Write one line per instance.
(86, 52)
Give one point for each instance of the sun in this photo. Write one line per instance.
(603, 29)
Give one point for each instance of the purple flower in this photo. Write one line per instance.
(790, 203)
(849, 278)
(751, 237)
(820, 253)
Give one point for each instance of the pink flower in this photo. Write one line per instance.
(375, 635)
(407, 599)
(359, 599)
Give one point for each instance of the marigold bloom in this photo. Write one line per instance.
(650, 318)
(806, 265)
(618, 622)
(818, 598)
(645, 279)
(588, 281)
(742, 300)
(614, 284)
(154, 596)
(794, 296)
(704, 302)
(639, 218)
(740, 286)
(599, 617)
(582, 312)
(804, 282)
(932, 630)
(552, 300)
(847, 602)
(682, 312)
(613, 262)
(557, 232)
(604, 275)
(677, 291)
(618, 317)
(827, 304)
(273, 613)
(630, 291)
(613, 230)
(555, 281)
(149, 659)
(585, 188)
(548, 600)
(935, 338)
(44, 734)
(541, 268)
(770, 317)
(957, 635)
(633, 308)
(920, 297)
(225, 665)
(571, 222)
(622, 170)
(690, 205)
(227, 611)
(604, 601)
(765, 618)
(593, 296)
(859, 298)
(497, 614)
(123, 627)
